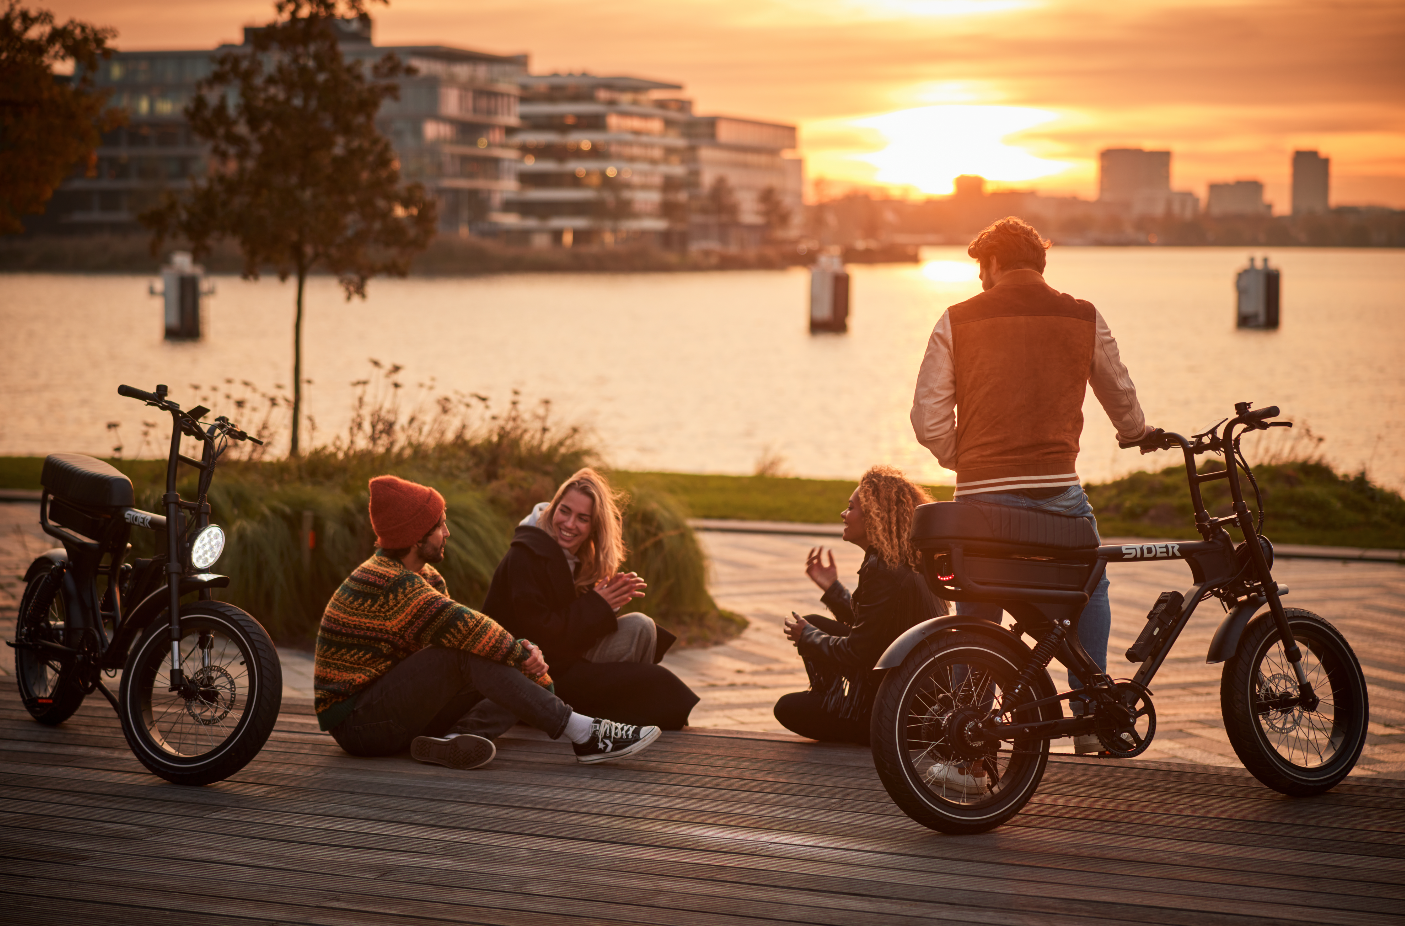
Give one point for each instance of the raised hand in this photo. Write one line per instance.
(795, 627)
(821, 573)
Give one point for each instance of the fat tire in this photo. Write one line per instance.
(65, 693)
(1339, 673)
(146, 672)
(888, 737)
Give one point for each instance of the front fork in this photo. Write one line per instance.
(1307, 698)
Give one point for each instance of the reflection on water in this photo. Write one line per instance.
(708, 371)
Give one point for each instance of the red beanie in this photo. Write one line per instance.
(403, 512)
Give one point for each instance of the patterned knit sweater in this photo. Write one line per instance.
(384, 613)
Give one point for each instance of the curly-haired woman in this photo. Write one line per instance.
(891, 597)
(560, 587)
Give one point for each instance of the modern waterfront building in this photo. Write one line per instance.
(754, 162)
(1242, 197)
(1126, 173)
(604, 161)
(449, 129)
(1310, 182)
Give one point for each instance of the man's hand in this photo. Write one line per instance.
(795, 627)
(620, 589)
(1145, 434)
(535, 663)
(821, 573)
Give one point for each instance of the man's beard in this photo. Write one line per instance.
(432, 555)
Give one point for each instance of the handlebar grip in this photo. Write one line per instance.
(1262, 413)
(131, 392)
(1155, 435)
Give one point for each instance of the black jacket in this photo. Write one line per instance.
(533, 595)
(887, 601)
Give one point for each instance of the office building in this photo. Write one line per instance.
(748, 158)
(1310, 181)
(448, 128)
(604, 161)
(1242, 197)
(1126, 173)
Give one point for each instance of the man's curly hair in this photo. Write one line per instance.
(887, 498)
(1012, 241)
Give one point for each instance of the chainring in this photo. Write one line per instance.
(1126, 722)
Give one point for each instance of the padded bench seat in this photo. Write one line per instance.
(941, 523)
(86, 481)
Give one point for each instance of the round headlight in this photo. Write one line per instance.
(208, 546)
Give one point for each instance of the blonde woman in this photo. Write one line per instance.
(560, 587)
(891, 597)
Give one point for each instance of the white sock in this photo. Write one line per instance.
(578, 727)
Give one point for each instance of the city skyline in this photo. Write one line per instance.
(910, 93)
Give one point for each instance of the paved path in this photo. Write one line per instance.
(762, 577)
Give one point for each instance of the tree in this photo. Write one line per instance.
(48, 122)
(299, 175)
(774, 212)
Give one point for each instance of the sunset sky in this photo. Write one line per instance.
(913, 92)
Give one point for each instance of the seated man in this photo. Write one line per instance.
(399, 663)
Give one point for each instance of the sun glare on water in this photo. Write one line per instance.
(928, 147)
(951, 271)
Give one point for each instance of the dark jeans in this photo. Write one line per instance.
(429, 693)
(803, 712)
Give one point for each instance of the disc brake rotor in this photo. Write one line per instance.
(214, 695)
(1281, 688)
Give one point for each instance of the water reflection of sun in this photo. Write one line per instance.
(930, 146)
(951, 271)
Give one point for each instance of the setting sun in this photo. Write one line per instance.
(928, 147)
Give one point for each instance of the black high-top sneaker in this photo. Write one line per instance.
(609, 741)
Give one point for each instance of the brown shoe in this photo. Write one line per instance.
(462, 751)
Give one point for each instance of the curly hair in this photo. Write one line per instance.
(604, 548)
(887, 498)
(1014, 242)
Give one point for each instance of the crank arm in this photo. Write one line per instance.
(1051, 729)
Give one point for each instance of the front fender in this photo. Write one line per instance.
(897, 650)
(1226, 640)
(155, 604)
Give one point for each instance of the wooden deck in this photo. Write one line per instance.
(704, 828)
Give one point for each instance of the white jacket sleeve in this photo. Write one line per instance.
(1112, 384)
(934, 400)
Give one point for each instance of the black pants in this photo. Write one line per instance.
(430, 693)
(803, 712)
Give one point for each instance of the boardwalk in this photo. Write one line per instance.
(711, 826)
(701, 829)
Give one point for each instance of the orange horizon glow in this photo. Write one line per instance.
(907, 94)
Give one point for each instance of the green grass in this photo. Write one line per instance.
(755, 498)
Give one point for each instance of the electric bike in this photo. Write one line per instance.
(963, 718)
(201, 683)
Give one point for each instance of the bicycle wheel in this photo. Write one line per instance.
(1292, 750)
(48, 681)
(926, 748)
(212, 731)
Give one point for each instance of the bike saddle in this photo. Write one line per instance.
(991, 525)
(87, 481)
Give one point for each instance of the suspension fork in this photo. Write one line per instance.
(174, 566)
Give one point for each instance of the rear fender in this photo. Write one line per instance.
(72, 601)
(897, 650)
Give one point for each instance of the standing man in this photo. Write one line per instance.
(1016, 361)
(400, 664)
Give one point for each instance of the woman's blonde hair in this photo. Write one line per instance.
(886, 499)
(603, 549)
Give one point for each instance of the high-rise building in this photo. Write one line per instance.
(1310, 181)
(1242, 197)
(448, 128)
(1124, 174)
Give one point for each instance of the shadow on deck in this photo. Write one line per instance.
(704, 828)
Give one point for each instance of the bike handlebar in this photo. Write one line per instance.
(131, 392)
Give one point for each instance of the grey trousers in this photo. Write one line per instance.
(431, 693)
(634, 640)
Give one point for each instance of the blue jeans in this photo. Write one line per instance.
(1096, 620)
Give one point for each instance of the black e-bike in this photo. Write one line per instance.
(201, 683)
(963, 718)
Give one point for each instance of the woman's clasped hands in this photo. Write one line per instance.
(620, 589)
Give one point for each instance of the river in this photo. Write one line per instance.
(712, 372)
